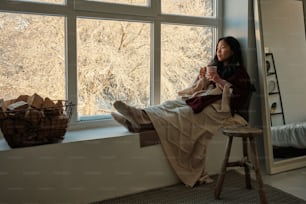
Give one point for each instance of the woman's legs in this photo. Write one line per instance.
(134, 119)
(123, 121)
(135, 115)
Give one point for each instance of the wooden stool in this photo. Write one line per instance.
(247, 134)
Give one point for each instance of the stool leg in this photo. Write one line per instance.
(246, 167)
(223, 168)
(262, 194)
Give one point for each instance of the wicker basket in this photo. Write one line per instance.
(31, 127)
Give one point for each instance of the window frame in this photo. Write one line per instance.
(91, 9)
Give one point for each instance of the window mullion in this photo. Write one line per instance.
(156, 62)
(71, 61)
(33, 7)
(155, 82)
(156, 6)
(219, 16)
(83, 5)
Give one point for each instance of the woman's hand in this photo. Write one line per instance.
(202, 73)
(212, 75)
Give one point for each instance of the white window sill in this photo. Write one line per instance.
(81, 135)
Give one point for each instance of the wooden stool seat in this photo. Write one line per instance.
(247, 134)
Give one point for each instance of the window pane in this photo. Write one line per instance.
(184, 49)
(32, 58)
(45, 1)
(128, 2)
(190, 7)
(113, 63)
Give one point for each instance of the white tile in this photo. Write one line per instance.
(292, 182)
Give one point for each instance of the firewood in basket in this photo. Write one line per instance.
(7, 103)
(46, 128)
(48, 103)
(2, 110)
(23, 98)
(60, 106)
(35, 101)
(46, 123)
(14, 131)
(50, 108)
(20, 105)
(21, 128)
(8, 127)
(60, 122)
(33, 116)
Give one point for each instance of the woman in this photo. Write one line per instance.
(199, 85)
(186, 127)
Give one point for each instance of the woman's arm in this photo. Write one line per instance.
(214, 76)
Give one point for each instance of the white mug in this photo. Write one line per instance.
(211, 68)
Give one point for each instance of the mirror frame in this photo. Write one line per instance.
(272, 166)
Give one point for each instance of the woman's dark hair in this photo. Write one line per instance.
(235, 47)
(235, 61)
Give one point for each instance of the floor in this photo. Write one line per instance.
(292, 182)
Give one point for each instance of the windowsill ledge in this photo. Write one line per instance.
(81, 135)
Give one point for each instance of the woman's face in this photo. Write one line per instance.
(224, 52)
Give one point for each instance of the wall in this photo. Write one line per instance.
(81, 172)
(91, 170)
(239, 22)
(284, 36)
(97, 169)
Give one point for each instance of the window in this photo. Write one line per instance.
(93, 52)
(189, 8)
(113, 63)
(127, 2)
(181, 56)
(32, 56)
(45, 1)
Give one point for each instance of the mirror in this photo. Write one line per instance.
(281, 54)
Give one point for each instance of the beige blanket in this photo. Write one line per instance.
(185, 136)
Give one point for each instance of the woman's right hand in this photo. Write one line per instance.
(202, 72)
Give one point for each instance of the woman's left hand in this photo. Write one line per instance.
(213, 76)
